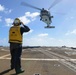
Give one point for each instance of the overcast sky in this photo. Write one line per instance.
(64, 21)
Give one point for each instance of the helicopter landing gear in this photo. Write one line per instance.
(52, 17)
(40, 19)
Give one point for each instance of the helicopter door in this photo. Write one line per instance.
(46, 19)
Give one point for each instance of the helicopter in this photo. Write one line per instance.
(45, 15)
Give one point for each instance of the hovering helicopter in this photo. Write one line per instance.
(45, 15)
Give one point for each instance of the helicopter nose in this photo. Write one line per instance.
(45, 19)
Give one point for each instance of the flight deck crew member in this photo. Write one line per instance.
(15, 40)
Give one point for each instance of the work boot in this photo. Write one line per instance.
(12, 67)
(18, 71)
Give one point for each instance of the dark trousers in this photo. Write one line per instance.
(15, 51)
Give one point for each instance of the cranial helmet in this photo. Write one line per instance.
(17, 21)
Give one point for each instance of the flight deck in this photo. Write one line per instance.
(41, 61)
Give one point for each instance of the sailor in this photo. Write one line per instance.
(15, 40)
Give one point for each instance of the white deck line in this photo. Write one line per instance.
(40, 59)
(3, 56)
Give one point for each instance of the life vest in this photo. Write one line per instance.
(15, 34)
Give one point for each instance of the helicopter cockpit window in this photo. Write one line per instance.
(44, 12)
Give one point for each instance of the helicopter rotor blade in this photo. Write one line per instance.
(26, 4)
(60, 13)
(54, 3)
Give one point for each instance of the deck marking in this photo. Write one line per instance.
(39, 59)
(3, 56)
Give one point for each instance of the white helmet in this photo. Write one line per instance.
(17, 21)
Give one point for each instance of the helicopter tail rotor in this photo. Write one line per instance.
(26, 4)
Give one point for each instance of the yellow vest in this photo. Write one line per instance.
(15, 34)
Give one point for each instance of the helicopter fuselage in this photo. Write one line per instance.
(46, 17)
